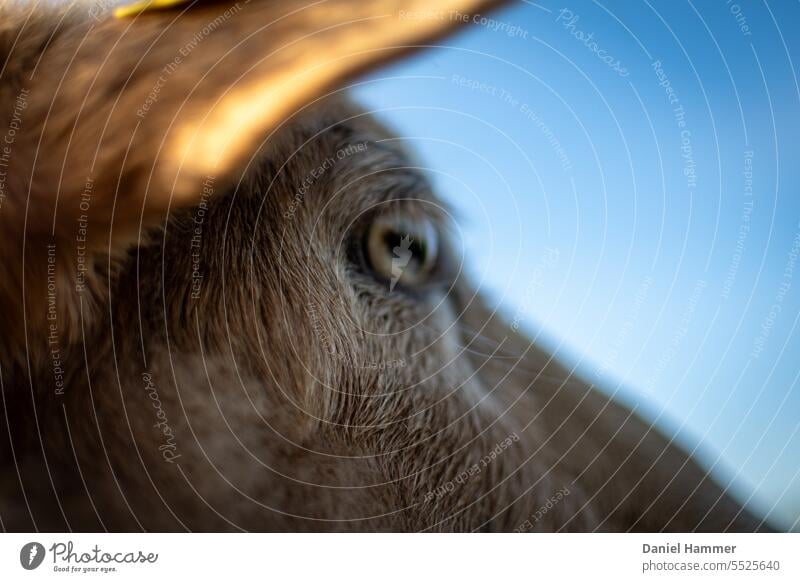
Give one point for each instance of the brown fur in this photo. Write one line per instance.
(280, 380)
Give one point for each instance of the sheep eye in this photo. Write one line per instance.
(401, 250)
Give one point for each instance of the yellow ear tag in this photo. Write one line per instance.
(146, 6)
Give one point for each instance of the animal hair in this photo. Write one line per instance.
(224, 359)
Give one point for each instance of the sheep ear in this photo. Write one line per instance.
(151, 105)
(126, 118)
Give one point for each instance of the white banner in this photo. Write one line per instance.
(400, 557)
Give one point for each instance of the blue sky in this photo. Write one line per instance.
(626, 187)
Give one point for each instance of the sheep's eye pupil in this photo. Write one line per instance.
(393, 239)
(417, 248)
(401, 251)
(397, 243)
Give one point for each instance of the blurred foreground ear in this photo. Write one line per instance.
(125, 118)
(149, 106)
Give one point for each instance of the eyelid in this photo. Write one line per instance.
(410, 208)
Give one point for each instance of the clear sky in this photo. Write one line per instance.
(626, 179)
